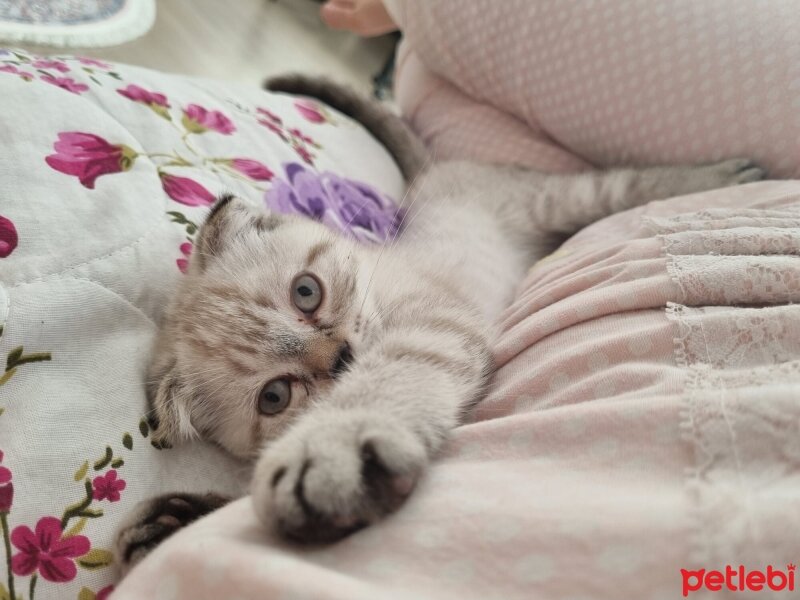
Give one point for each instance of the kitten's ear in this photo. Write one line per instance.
(229, 217)
(170, 400)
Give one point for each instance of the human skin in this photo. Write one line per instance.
(367, 18)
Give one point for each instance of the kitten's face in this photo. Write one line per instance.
(267, 317)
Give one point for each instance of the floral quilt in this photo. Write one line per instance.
(108, 171)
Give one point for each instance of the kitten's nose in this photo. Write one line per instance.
(343, 360)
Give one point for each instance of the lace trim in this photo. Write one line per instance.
(741, 401)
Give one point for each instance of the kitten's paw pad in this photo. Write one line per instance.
(737, 171)
(154, 520)
(323, 482)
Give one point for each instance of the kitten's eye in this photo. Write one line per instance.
(306, 293)
(274, 397)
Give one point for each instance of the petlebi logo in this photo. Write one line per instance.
(739, 579)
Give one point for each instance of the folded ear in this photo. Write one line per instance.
(169, 399)
(229, 218)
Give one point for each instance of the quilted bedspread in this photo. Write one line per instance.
(106, 172)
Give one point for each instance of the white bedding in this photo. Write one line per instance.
(92, 266)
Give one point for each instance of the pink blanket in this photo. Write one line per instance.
(621, 442)
(561, 84)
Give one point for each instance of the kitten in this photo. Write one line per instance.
(340, 368)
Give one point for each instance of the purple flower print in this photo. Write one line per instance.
(6, 488)
(351, 207)
(183, 263)
(186, 191)
(89, 156)
(197, 119)
(8, 241)
(252, 168)
(44, 63)
(311, 111)
(93, 62)
(66, 83)
(108, 487)
(45, 551)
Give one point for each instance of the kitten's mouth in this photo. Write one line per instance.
(343, 360)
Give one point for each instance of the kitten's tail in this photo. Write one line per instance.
(389, 129)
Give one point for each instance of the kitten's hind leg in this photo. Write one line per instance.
(154, 520)
(574, 201)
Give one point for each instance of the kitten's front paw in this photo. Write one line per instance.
(735, 171)
(154, 520)
(334, 474)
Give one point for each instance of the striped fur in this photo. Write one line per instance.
(417, 314)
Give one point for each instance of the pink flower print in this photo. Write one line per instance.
(44, 63)
(104, 593)
(311, 111)
(153, 100)
(108, 487)
(270, 115)
(139, 94)
(275, 129)
(6, 491)
(8, 241)
(15, 71)
(252, 168)
(197, 119)
(6, 488)
(186, 191)
(88, 156)
(300, 135)
(93, 62)
(66, 83)
(183, 263)
(303, 153)
(46, 551)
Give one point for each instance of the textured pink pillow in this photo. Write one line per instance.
(559, 84)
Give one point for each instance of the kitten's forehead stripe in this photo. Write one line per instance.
(248, 313)
(213, 352)
(267, 223)
(241, 307)
(316, 251)
(249, 350)
(264, 301)
(239, 367)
